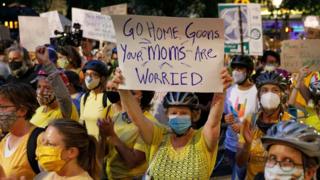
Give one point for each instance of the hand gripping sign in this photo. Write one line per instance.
(170, 53)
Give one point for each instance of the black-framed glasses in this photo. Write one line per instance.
(286, 165)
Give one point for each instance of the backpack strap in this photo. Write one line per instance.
(31, 149)
(104, 99)
(85, 97)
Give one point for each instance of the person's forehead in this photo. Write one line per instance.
(52, 135)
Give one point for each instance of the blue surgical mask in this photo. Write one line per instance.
(179, 124)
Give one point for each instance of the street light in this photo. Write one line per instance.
(276, 3)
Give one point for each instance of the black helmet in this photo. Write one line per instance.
(271, 78)
(181, 99)
(97, 66)
(299, 136)
(242, 61)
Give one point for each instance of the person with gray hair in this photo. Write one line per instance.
(21, 67)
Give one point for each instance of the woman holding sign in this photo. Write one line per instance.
(182, 153)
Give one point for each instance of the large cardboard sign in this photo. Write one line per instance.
(119, 9)
(170, 53)
(56, 21)
(34, 31)
(94, 24)
(251, 26)
(296, 54)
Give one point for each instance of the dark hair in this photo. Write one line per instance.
(76, 135)
(270, 53)
(24, 53)
(22, 96)
(145, 102)
(71, 53)
(4, 44)
(74, 79)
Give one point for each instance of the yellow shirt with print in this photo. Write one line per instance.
(194, 161)
(257, 154)
(312, 118)
(299, 99)
(17, 165)
(92, 111)
(128, 133)
(42, 118)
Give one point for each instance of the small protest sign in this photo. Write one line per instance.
(296, 54)
(94, 24)
(34, 31)
(56, 21)
(170, 53)
(119, 9)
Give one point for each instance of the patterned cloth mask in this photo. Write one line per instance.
(7, 119)
(46, 97)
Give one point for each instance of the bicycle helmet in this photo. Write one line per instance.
(271, 78)
(242, 61)
(181, 99)
(299, 136)
(97, 66)
(314, 86)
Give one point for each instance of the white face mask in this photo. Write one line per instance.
(239, 77)
(91, 83)
(270, 67)
(270, 101)
(276, 172)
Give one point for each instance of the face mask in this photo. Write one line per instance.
(277, 173)
(49, 158)
(14, 65)
(46, 98)
(113, 96)
(91, 83)
(7, 119)
(179, 124)
(270, 101)
(270, 67)
(63, 63)
(239, 77)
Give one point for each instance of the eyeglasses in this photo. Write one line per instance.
(5, 107)
(286, 165)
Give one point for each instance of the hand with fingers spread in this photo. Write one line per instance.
(106, 127)
(229, 118)
(42, 55)
(226, 79)
(247, 131)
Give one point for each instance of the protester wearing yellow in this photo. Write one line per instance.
(94, 102)
(67, 152)
(52, 94)
(126, 157)
(308, 114)
(251, 152)
(17, 105)
(184, 153)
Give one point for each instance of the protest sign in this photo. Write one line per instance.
(251, 28)
(56, 21)
(34, 31)
(94, 24)
(312, 33)
(298, 53)
(4, 33)
(119, 9)
(170, 53)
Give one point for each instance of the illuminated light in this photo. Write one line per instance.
(311, 21)
(16, 24)
(3, 4)
(277, 3)
(6, 24)
(10, 25)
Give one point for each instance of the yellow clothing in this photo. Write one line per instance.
(42, 119)
(92, 111)
(299, 99)
(55, 176)
(257, 154)
(128, 134)
(193, 161)
(312, 119)
(17, 164)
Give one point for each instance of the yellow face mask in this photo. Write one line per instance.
(49, 158)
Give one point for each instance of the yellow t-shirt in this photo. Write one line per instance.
(257, 152)
(312, 119)
(128, 134)
(17, 165)
(42, 119)
(194, 161)
(55, 176)
(92, 111)
(299, 99)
